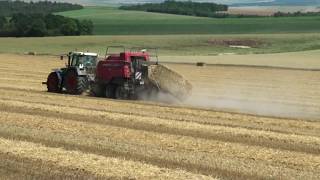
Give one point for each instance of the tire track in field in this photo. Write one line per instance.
(15, 167)
(285, 126)
(213, 163)
(307, 128)
(90, 165)
(23, 71)
(22, 76)
(150, 156)
(204, 132)
(170, 164)
(10, 79)
(229, 134)
(108, 152)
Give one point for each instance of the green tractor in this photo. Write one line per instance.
(76, 77)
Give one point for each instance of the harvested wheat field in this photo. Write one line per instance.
(54, 136)
(288, 93)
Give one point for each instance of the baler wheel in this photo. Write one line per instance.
(53, 83)
(110, 91)
(98, 90)
(75, 84)
(121, 93)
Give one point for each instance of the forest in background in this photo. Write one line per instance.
(182, 8)
(35, 19)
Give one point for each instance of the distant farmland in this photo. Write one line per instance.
(178, 35)
(111, 21)
(176, 45)
(270, 10)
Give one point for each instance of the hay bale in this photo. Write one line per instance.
(170, 81)
(201, 64)
(32, 53)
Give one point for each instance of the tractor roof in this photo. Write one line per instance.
(86, 53)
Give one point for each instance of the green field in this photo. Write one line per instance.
(167, 44)
(111, 21)
(177, 35)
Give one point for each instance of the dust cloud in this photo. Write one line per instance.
(158, 96)
(235, 101)
(263, 102)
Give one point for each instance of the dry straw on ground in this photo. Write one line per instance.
(55, 136)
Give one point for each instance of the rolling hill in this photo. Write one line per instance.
(112, 21)
(230, 2)
(281, 3)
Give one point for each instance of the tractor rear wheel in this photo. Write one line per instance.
(53, 83)
(75, 84)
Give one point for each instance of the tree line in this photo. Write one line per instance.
(23, 19)
(181, 7)
(8, 8)
(203, 10)
(39, 25)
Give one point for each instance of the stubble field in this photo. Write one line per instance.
(44, 135)
(267, 91)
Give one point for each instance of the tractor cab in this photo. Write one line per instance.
(84, 63)
(76, 77)
(82, 60)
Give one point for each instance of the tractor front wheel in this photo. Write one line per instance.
(75, 84)
(53, 83)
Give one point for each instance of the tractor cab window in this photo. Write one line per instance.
(75, 59)
(84, 60)
(89, 60)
